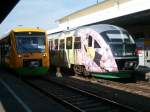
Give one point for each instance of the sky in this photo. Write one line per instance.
(41, 13)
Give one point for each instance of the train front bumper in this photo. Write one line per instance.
(28, 71)
(114, 75)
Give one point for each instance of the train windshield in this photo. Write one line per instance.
(30, 42)
(117, 36)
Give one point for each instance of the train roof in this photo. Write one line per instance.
(102, 27)
(27, 29)
(22, 30)
(97, 27)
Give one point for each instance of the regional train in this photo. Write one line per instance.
(25, 50)
(99, 50)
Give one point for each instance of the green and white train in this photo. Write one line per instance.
(99, 50)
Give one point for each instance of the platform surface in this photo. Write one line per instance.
(16, 96)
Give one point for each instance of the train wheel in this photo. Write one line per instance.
(85, 72)
(77, 69)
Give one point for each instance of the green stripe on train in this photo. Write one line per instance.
(112, 75)
(32, 71)
(4, 66)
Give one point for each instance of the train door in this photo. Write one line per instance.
(89, 52)
(77, 51)
(90, 48)
(56, 53)
(5, 53)
(70, 51)
(147, 52)
(62, 52)
(94, 52)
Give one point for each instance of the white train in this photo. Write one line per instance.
(99, 50)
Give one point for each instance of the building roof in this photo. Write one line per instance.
(92, 9)
(5, 7)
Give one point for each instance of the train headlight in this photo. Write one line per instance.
(44, 54)
(131, 64)
(19, 56)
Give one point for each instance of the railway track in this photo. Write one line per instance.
(77, 99)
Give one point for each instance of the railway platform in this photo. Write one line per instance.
(143, 72)
(16, 96)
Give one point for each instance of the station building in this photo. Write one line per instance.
(133, 15)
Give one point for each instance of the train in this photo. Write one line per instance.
(25, 51)
(98, 50)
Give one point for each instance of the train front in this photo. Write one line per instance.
(123, 49)
(31, 52)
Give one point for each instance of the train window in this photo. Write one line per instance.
(50, 44)
(40, 41)
(69, 43)
(117, 36)
(77, 43)
(90, 41)
(6, 49)
(96, 45)
(62, 44)
(56, 43)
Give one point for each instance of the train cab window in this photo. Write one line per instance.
(96, 45)
(62, 44)
(90, 41)
(116, 36)
(69, 43)
(56, 43)
(77, 43)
